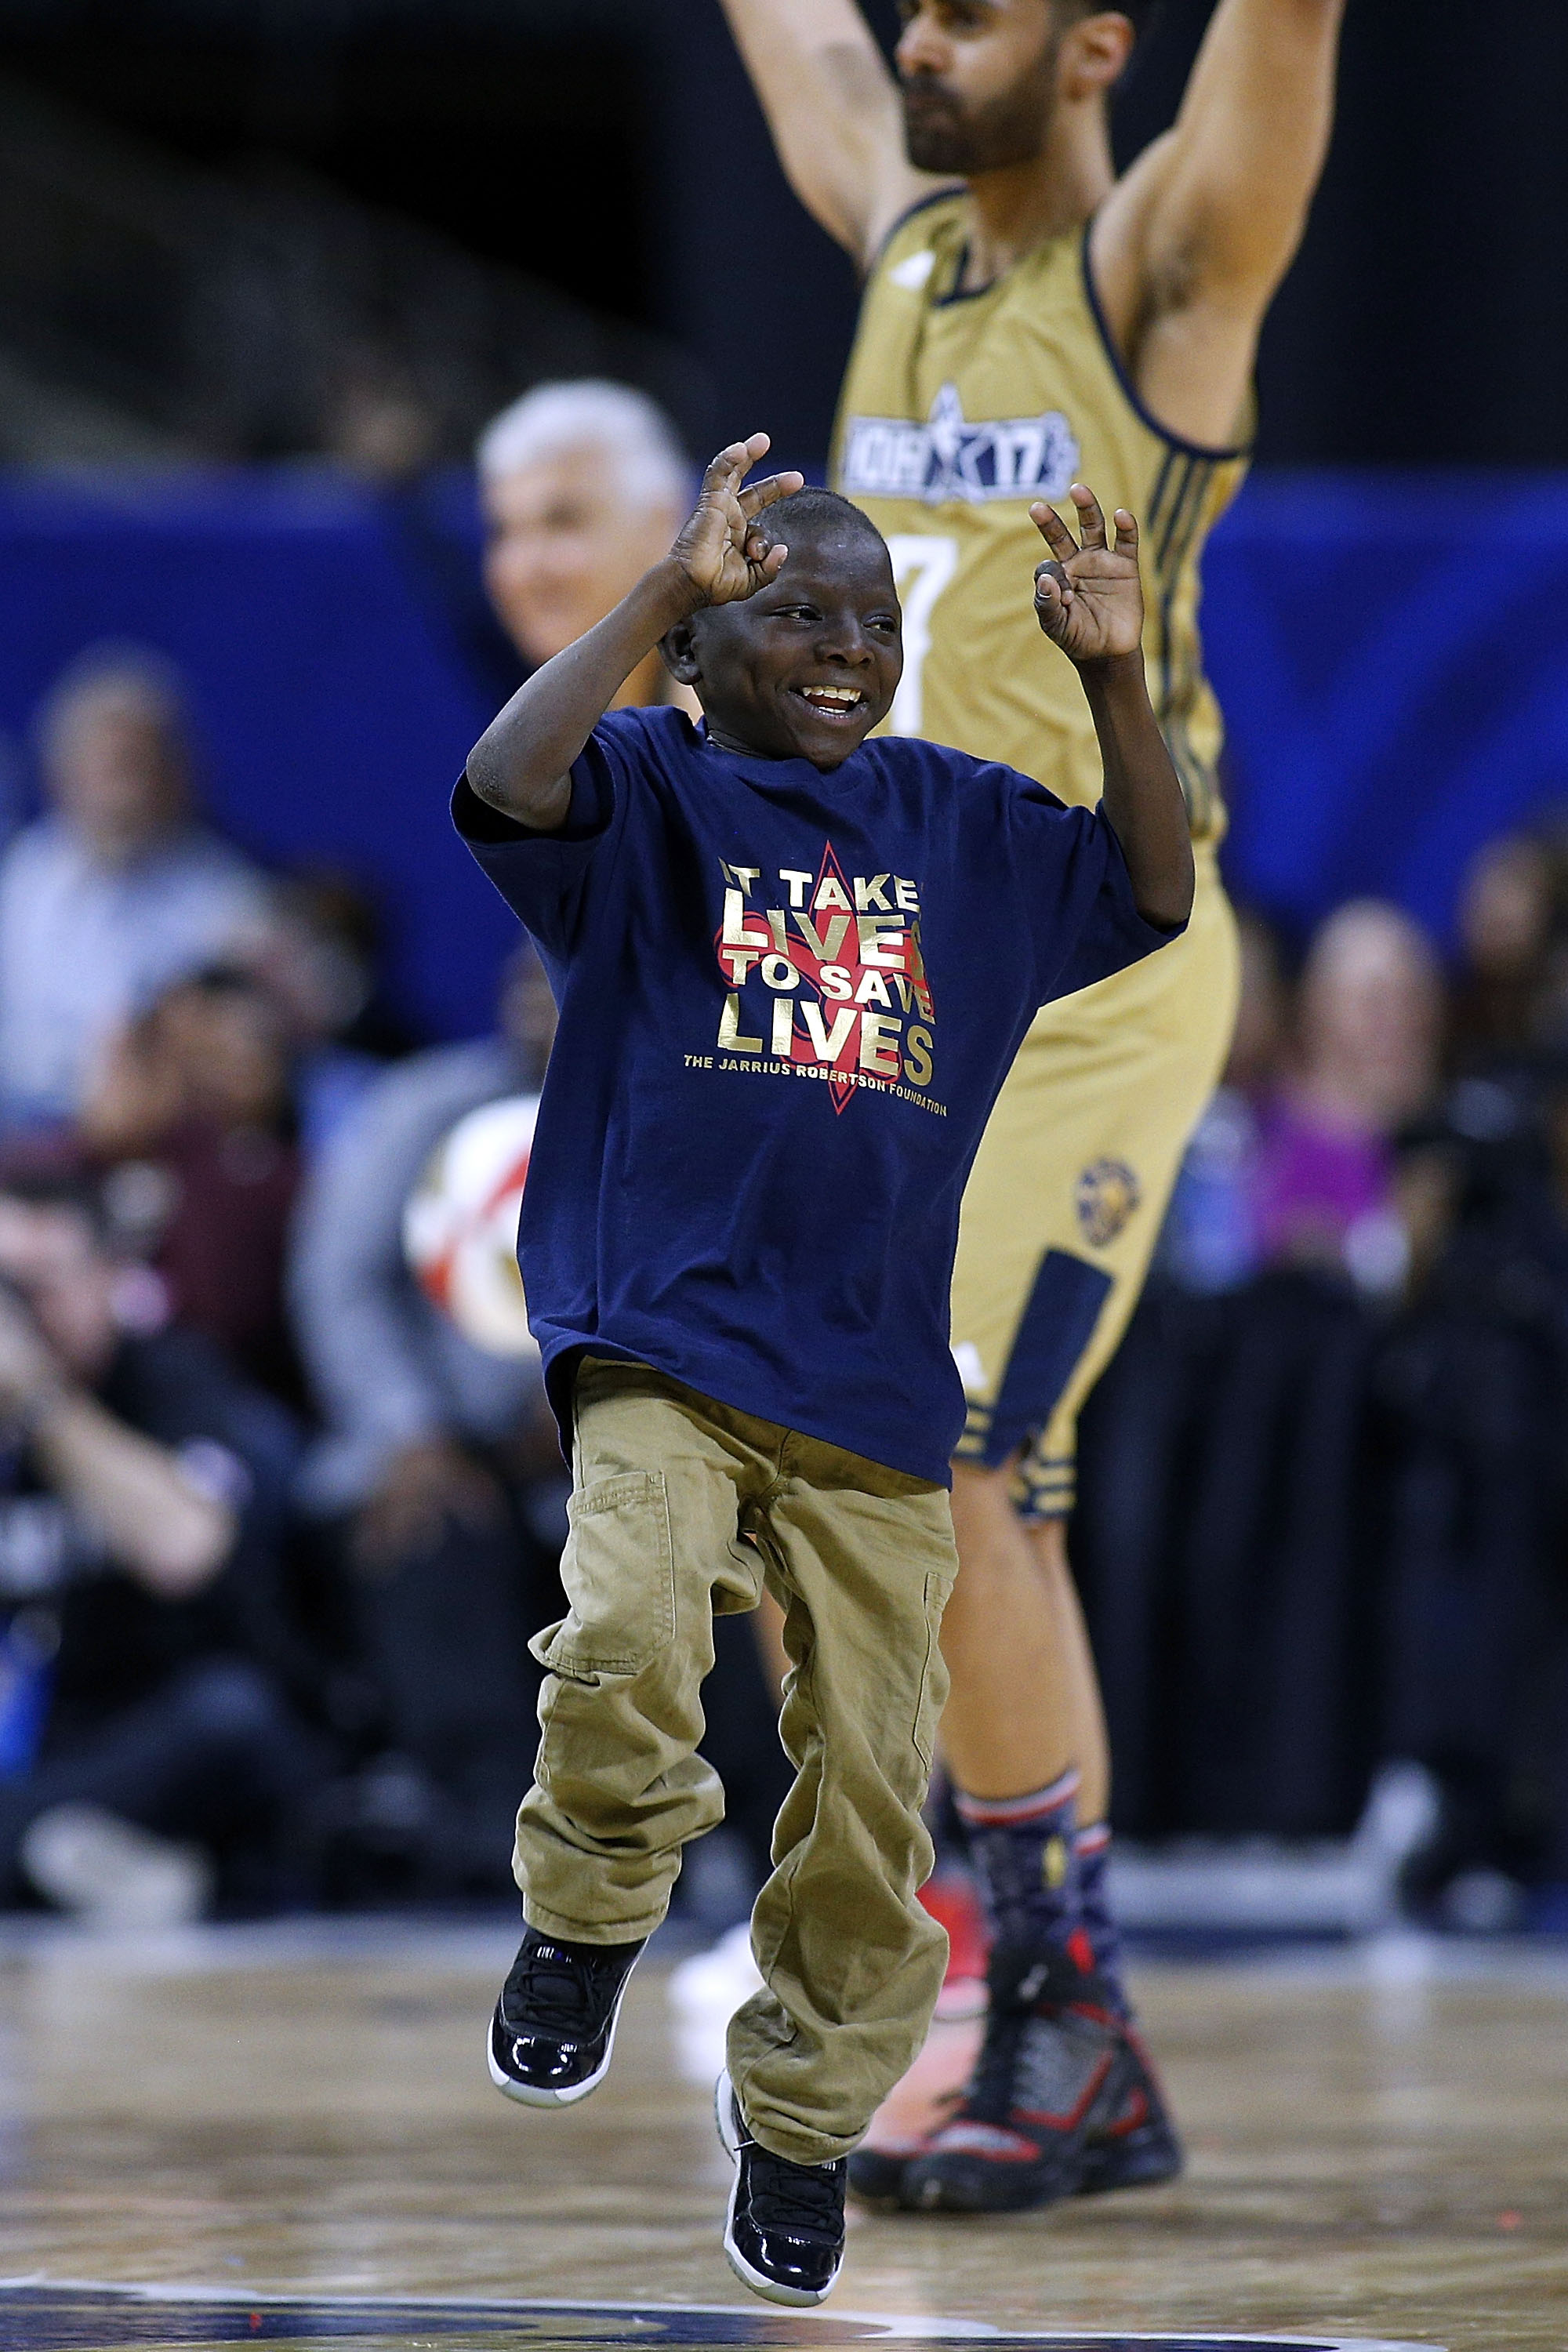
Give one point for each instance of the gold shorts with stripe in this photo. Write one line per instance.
(1068, 1194)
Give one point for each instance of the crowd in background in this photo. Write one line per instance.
(1325, 1517)
(274, 1535)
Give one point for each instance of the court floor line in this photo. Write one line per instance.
(751, 2325)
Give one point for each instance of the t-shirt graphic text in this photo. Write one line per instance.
(824, 976)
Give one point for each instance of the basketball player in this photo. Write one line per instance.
(1028, 318)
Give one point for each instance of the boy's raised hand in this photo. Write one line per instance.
(721, 551)
(1089, 599)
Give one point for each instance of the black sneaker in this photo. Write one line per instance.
(553, 2031)
(1136, 2146)
(784, 2236)
(1052, 2076)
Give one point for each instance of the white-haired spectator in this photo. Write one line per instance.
(117, 889)
(584, 486)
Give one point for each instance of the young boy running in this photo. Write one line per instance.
(793, 967)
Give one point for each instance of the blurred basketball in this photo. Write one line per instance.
(459, 1227)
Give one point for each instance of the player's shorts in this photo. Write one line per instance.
(1068, 1194)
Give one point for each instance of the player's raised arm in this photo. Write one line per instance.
(1189, 249)
(521, 763)
(1089, 602)
(833, 110)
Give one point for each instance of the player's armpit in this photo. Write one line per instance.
(1189, 248)
(833, 109)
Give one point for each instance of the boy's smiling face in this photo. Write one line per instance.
(805, 668)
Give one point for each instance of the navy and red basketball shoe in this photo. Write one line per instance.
(1063, 2102)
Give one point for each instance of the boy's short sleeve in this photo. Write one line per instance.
(1086, 920)
(544, 877)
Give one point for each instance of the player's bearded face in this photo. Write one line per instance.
(978, 84)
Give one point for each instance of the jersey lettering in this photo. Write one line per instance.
(948, 458)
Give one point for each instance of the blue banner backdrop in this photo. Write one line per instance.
(1392, 653)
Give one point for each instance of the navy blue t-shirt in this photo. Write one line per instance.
(788, 1001)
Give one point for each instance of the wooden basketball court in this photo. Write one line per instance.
(289, 2133)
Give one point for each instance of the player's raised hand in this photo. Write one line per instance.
(722, 551)
(1089, 598)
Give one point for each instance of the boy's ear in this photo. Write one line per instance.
(678, 647)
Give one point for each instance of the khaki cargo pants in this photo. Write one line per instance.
(667, 1486)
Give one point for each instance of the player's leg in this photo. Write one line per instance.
(1084, 1710)
(1092, 1140)
(619, 1788)
(852, 1964)
(1047, 1539)
(1040, 1687)
(1130, 2141)
(1024, 1712)
(1026, 1302)
(1044, 1491)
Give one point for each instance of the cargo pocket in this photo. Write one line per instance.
(933, 1675)
(618, 1569)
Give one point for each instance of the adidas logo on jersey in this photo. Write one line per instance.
(948, 458)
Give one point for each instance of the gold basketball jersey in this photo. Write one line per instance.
(958, 409)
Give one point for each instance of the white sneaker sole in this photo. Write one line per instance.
(769, 2289)
(528, 2095)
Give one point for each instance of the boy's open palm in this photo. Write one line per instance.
(722, 553)
(1089, 598)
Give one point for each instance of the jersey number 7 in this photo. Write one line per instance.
(923, 564)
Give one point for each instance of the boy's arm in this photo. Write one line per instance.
(1091, 603)
(833, 109)
(1143, 797)
(521, 763)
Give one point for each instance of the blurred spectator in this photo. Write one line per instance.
(1511, 997)
(113, 893)
(1506, 922)
(1223, 1529)
(401, 1390)
(1261, 1042)
(322, 959)
(1313, 1536)
(1368, 1038)
(1470, 1421)
(1211, 1241)
(193, 1101)
(1474, 1443)
(584, 486)
(437, 1481)
(141, 1501)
